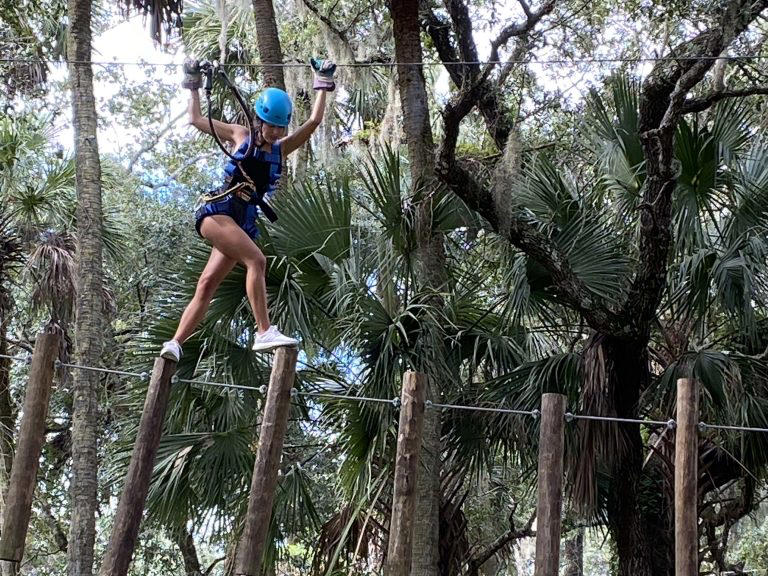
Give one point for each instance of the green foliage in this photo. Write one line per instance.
(752, 548)
(341, 274)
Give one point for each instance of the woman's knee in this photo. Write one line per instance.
(256, 260)
(207, 285)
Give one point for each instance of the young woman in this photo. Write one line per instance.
(227, 219)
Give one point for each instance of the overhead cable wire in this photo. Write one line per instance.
(550, 61)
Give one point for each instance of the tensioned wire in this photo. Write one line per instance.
(552, 61)
(569, 417)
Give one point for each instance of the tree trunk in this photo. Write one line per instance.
(407, 465)
(574, 554)
(268, 43)
(636, 518)
(186, 545)
(88, 337)
(429, 257)
(425, 558)
(7, 414)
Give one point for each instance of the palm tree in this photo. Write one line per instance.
(708, 322)
(349, 287)
(88, 328)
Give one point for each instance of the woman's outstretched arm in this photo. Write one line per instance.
(234, 134)
(299, 137)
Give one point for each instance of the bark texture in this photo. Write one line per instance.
(268, 454)
(130, 508)
(409, 445)
(550, 484)
(7, 417)
(88, 328)
(186, 545)
(268, 42)
(429, 260)
(31, 439)
(426, 534)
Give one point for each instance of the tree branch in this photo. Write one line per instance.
(700, 104)
(153, 142)
(661, 107)
(514, 225)
(472, 81)
(511, 535)
(213, 565)
(519, 230)
(186, 544)
(462, 26)
(342, 35)
(439, 31)
(517, 29)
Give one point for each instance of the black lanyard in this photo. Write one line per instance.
(208, 68)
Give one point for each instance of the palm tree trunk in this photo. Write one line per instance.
(88, 337)
(429, 258)
(268, 43)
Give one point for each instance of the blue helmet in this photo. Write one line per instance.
(274, 106)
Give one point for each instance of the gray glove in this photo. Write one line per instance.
(193, 78)
(324, 74)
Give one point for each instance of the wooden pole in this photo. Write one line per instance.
(412, 405)
(130, 509)
(265, 469)
(686, 478)
(550, 495)
(31, 437)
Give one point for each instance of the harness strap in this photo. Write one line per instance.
(243, 191)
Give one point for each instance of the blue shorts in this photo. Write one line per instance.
(243, 213)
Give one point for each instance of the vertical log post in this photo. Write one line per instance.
(550, 493)
(686, 478)
(31, 437)
(130, 509)
(265, 469)
(411, 426)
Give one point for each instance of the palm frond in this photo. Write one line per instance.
(53, 271)
(164, 14)
(614, 136)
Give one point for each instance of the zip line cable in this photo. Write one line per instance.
(535, 413)
(552, 61)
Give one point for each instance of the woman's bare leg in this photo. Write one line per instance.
(215, 271)
(232, 241)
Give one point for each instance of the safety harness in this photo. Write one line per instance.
(251, 173)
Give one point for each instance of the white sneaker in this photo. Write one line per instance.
(171, 351)
(272, 338)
